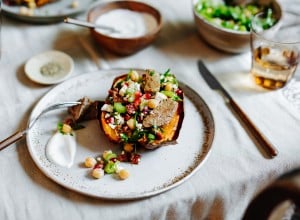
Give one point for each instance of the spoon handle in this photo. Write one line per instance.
(88, 24)
(79, 22)
(11, 139)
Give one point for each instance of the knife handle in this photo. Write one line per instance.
(259, 137)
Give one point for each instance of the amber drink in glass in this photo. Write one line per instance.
(275, 52)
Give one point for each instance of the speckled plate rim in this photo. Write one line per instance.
(53, 172)
(48, 13)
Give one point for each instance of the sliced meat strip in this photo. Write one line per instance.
(162, 114)
(87, 110)
(151, 81)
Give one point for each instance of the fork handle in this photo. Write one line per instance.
(11, 139)
(259, 137)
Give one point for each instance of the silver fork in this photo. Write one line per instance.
(20, 134)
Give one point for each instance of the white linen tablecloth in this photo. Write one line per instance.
(236, 169)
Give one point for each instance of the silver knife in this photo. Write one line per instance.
(251, 128)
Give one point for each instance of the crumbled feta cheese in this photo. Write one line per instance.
(134, 85)
(160, 96)
(169, 78)
(119, 119)
(137, 86)
(107, 108)
(139, 126)
(130, 83)
(123, 90)
(74, 4)
(112, 126)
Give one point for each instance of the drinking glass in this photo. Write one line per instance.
(275, 51)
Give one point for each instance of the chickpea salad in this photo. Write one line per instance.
(138, 106)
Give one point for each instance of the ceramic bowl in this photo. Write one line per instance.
(226, 39)
(124, 45)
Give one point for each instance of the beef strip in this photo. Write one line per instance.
(151, 81)
(87, 110)
(162, 114)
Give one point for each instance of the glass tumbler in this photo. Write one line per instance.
(275, 51)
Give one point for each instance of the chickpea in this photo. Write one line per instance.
(30, 12)
(106, 152)
(74, 4)
(134, 76)
(128, 147)
(98, 173)
(24, 10)
(90, 162)
(67, 129)
(99, 159)
(131, 123)
(152, 103)
(169, 86)
(123, 174)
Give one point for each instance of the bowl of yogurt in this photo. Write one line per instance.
(124, 27)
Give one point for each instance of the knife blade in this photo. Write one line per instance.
(251, 128)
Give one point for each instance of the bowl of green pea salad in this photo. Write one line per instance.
(226, 24)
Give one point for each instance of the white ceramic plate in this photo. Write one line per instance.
(159, 170)
(35, 64)
(52, 12)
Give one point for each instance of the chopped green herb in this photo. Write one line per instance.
(124, 137)
(151, 137)
(59, 127)
(152, 73)
(167, 73)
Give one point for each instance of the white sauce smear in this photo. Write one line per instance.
(61, 149)
(128, 23)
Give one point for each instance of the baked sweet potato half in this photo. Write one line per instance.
(143, 108)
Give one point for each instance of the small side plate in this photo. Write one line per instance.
(54, 12)
(50, 67)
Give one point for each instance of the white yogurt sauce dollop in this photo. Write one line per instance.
(61, 149)
(128, 23)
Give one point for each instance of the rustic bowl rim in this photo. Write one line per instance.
(146, 35)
